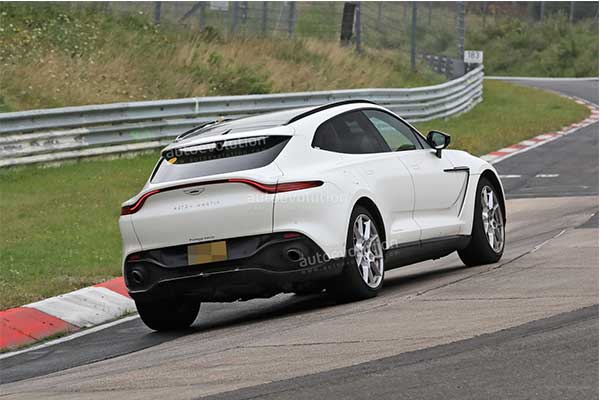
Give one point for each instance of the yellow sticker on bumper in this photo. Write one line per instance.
(207, 252)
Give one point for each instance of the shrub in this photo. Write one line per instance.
(551, 48)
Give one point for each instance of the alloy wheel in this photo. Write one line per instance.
(368, 251)
(491, 215)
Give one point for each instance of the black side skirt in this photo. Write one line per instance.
(422, 250)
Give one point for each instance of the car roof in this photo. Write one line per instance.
(257, 122)
(243, 124)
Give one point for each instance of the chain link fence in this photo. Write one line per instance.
(417, 29)
(426, 32)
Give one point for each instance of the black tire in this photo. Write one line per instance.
(350, 285)
(479, 251)
(168, 314)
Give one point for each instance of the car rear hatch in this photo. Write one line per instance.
(210, 191)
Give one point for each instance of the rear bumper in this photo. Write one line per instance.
(260, 268)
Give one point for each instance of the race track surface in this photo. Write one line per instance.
(526, 327)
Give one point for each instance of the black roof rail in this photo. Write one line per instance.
(325, 107)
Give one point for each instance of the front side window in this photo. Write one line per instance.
(349, 133)
(396, 133)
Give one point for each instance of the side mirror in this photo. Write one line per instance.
(439, 141)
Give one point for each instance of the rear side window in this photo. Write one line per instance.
(350, 133)
(218, 158)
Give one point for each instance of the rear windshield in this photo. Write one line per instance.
(218, 158)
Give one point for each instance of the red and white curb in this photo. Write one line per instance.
(67, 313)
(525, 145)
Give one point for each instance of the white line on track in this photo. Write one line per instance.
(510, 176)
(69, 337)
(539, 246)
(547, 175)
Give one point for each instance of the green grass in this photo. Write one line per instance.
(512, 46)
(59, 225)
(3, 106)
(508, 114)
(555, 48)
(53, 55)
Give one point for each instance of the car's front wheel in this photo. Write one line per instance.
(168, 314)
(487, 237)
(363, 273)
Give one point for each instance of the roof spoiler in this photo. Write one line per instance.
(198, 127)
(325, 107)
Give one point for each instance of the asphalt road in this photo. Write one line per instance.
(517, 363)
(574, 158)
(438, 329)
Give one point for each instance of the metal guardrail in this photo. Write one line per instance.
(59, 134)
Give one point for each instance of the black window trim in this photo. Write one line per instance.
(380, 139)
(418, 136)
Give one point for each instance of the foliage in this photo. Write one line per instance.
(551, 48)
(55, 55)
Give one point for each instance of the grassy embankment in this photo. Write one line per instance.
(511, 46)
(52, 56)
(553, 48)
(58, 229)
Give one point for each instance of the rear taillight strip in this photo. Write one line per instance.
(278, 187)
(263, 187)
(132, 209)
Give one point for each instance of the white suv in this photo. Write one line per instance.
(302, 200)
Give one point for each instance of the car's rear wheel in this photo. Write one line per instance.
(487, 237)
(168, 314)
(363, 273)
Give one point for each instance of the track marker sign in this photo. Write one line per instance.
(219, 5)
(473, 57)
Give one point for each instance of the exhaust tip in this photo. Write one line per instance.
(137, 276)
(294, 255)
